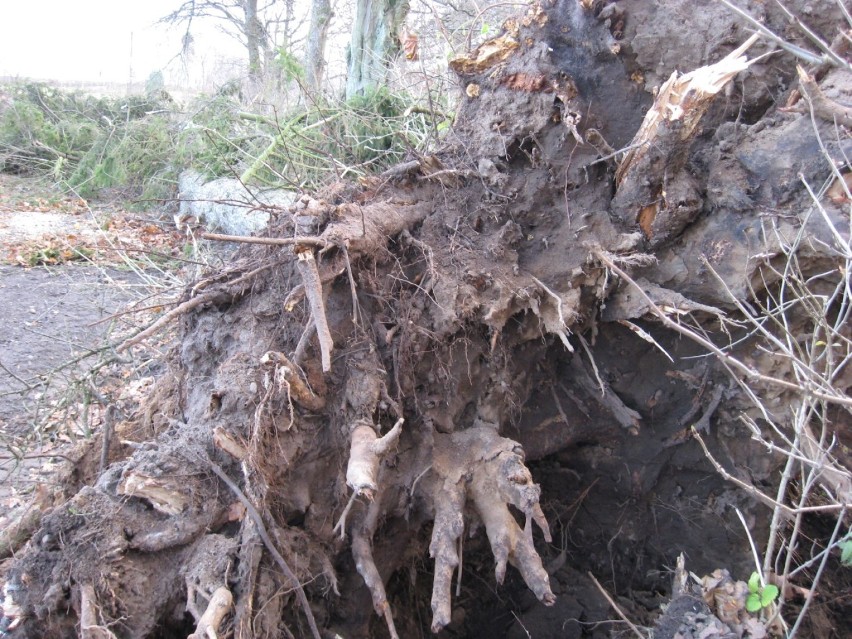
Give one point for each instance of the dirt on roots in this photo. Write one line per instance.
(476, 295)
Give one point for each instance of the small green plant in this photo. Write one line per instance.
(759, 596)
(846, 550)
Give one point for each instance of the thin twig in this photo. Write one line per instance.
(754, 553)
(185, 307)
(818, 575)
(615, 607)
(799, 52)
(765, 499)
(271, 241)
(109, 426)
(264, 535)
(751, 373)
(813, 37)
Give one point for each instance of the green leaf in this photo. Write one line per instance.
(754, 583)
(768, 595)
(846, 552)
(753, 602)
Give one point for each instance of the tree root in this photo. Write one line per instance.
(365, 455)
(90, 627)
(362, 475)
(220, 605)
(313, 291)
(362, 553)
(299, 390)
(824, 107)
(479, 464)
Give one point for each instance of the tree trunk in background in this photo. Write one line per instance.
(254, 37)
(321, 14)
(374, 42)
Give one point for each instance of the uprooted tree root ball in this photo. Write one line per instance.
(560, 319)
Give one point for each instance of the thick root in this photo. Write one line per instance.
(365, 455)
(362, 475)
(220, 605)
(362, 553)
(90, 626)
(479, 464)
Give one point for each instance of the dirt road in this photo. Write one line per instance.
(59, 285)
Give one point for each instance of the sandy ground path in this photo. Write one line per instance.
(63, 278)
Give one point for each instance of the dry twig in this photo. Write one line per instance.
(264, 535)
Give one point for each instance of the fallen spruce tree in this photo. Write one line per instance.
(437, 400)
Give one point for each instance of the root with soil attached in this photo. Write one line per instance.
(523, 319)
(479, 465)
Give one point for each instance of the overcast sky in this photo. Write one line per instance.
(93, 39)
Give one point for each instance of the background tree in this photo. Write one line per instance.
(258, 26)
(321, 15)
(374, 42)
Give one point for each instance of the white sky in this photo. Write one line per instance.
(90, 40)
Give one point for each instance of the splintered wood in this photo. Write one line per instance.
(313, 291)
(654, 188)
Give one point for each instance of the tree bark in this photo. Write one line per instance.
(374, 43)
(253, 30)
(321, 15)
